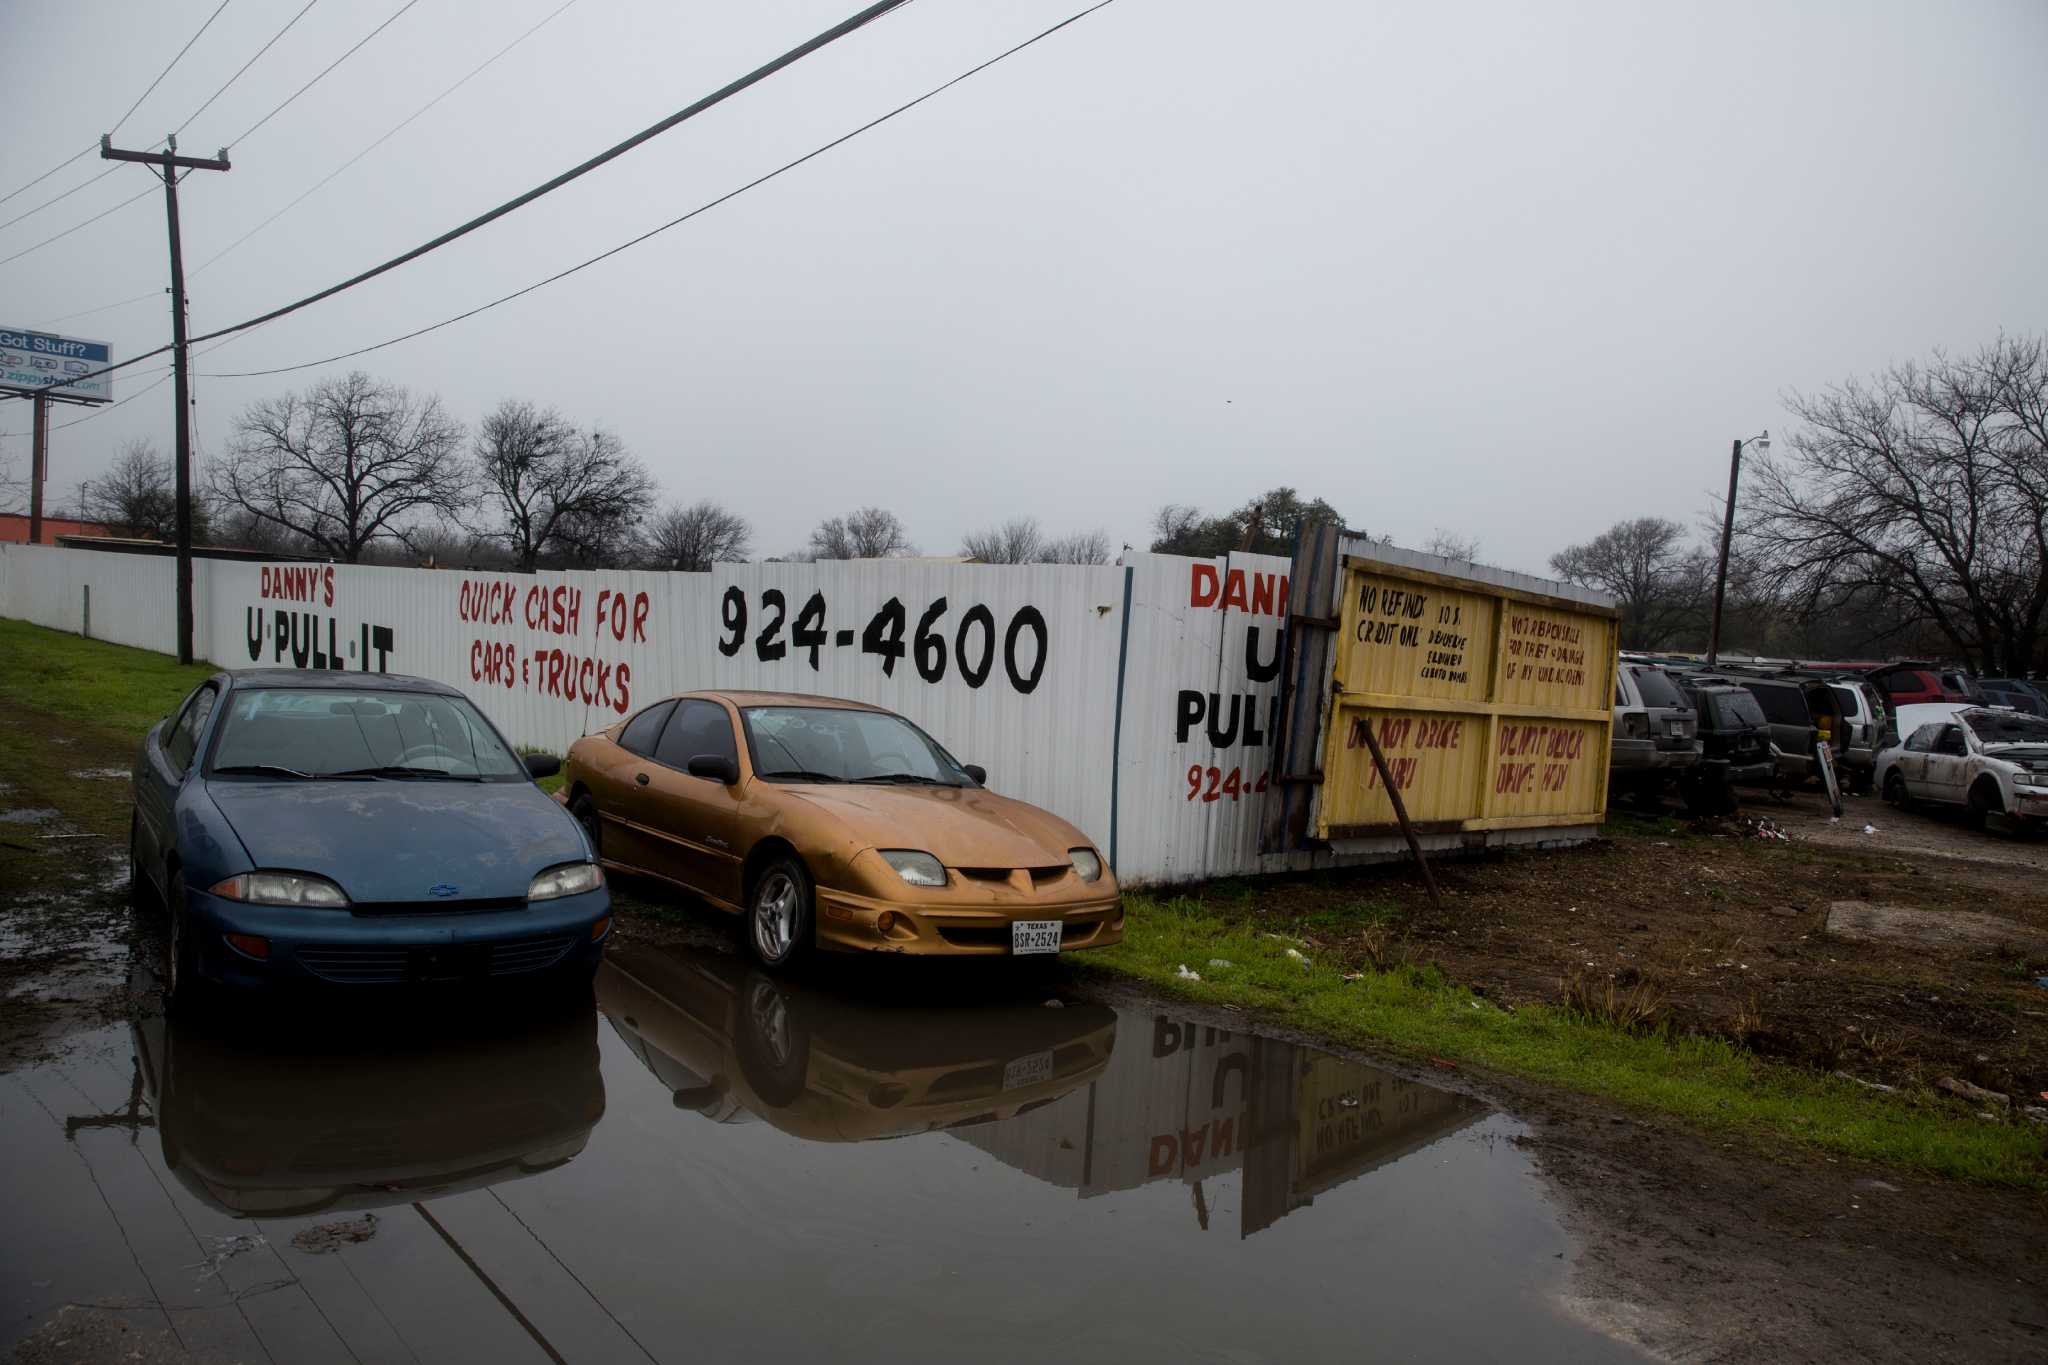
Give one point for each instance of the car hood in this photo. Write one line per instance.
(392, 840)
(960, 826)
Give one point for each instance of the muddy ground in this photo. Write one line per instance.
(1689, 1248)
(1721, 930)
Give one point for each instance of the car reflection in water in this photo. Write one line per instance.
(1079, 1097)
(306, 1117)
(731, 1042)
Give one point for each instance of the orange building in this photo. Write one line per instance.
(14, 528)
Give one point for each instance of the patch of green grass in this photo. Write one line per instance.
(1706, 1082)
(93, 684)
(1624, 823)
(1353, 915)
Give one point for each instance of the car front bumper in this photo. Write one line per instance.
(853, 923)
(335, 947)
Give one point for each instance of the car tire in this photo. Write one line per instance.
(1895, 791)
(184, 992)
(141, 890)
(1985, 802)
(584, 808)
(780, 914)
(774, 1046)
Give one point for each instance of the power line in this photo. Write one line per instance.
(674, 222)
(758, 74)
(75, 156)
(395, 130)
(76, 226)
(330, 176)
(167, 70)
(83, 184)
(754, 77)
(245, 66)
(88, 150)
(323, 71)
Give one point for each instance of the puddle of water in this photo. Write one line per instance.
(101, 774)
(716, 1163)
(28, 815)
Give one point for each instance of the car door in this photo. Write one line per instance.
(692, 820)
(1912, 760)
(620, 784)
(166, 760)
(1947, 765)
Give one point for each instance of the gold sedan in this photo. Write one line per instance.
(838, 825)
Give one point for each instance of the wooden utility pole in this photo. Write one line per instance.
(168, 163)
(38, 463)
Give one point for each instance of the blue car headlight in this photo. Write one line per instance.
(570, 879)
(281, 888)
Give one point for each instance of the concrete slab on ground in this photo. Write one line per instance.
(1966, 930)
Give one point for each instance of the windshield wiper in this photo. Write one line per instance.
(804, 773)
(398, 770)
(905, 779)
(257, 769)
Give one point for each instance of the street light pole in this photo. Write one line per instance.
(1727, 534)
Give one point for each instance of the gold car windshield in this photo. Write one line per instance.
(832, 744)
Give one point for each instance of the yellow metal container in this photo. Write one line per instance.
(1493, 705)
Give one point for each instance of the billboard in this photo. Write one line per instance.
(32, 360)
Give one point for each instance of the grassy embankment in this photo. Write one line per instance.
(76, 710)
(1709, 1083)
(80, 702)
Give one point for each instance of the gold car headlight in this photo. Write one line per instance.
(570, 879)
(919, 869)
(1086, 863)
(280, 888)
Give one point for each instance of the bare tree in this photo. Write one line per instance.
(1645, 566)
(13, 484)
(869, 533)
(1082, 547)
(1017, 541)
(557, 492)
(1451, 545)
(694, 538)
(349, 462)
(138, 496)
(1926, 488)
(1175, 524)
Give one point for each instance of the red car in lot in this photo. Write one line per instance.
(1914, 685)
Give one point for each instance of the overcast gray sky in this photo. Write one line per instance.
(1517, 271)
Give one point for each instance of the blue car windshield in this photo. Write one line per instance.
(308, 732)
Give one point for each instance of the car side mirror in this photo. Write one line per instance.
(542, 765)
(717, 767)
(977, 772)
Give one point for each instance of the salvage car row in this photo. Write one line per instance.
(303, 828)
(1710, 731)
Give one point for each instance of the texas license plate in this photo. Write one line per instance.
(1028, 1070)
(1034, 936)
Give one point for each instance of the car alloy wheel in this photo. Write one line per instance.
(779, 921)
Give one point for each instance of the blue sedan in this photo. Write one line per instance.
(355, 829)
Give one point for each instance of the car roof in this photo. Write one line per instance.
(336, 680)
(788, 699)
(1913, 715)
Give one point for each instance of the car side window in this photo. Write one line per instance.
(1951, 741)
(644, 729)
(1923, 739)
(184, 738)
(698, 727)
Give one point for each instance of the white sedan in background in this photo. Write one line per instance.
(1991, 760)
